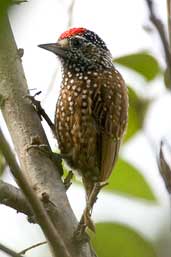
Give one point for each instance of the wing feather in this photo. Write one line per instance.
(110, 114)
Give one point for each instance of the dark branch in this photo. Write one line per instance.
(162, 33)
(169, 19)
(165, 169)
(160, 28)
(14, 198)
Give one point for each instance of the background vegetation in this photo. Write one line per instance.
(113, 239)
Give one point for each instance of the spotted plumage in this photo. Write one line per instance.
(91, 112)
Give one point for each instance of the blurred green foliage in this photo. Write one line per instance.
(115, 240)
(138, 107)
(143, 63)
(4, 4)
(128, 180)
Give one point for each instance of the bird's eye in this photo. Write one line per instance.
(76, 42)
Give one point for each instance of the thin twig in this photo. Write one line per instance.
(70, 13)
(32, 247)
(8, 251)
(69, 24)
(38, 209)
(51, 84)
(162, 33)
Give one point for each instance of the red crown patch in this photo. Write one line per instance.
(72, 32)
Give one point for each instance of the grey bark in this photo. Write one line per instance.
(12, 196)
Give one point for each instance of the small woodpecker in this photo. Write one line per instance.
(91, 112)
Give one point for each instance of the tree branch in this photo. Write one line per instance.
(32, 247)
(70, 13)
(160, 28)
(24, 126)
(169, 20)
(164, 168)
(10, 252)
(162, 33)
(41, 216)
(14, 198)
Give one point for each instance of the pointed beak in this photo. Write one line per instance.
(55, 48)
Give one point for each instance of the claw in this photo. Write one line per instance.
(80, 235)
(41, 147)
(68, 180)
(86, 220)
(40, 111)
(47, 151)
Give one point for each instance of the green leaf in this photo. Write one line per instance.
(126, 179)
(4, 4)
(138, 107)
(114, 240)
(142, 62)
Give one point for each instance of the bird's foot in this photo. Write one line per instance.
(40, 111)
(68, 180)
(80, 234)
(86, 220)
(35, 103)
(87, 217)
(55, 157)
(45, 149)
(95, 190)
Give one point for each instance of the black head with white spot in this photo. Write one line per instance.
(81, 48)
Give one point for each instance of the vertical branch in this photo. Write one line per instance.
(164, 168)
(70, 13)
(69, 24)
(162, 33)
(169, 20)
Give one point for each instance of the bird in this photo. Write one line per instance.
(91, 112)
